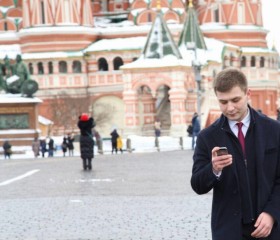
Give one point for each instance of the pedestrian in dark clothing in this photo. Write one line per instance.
(70, 144)
(157, 128)
(51, 147)
(195, 128)
(43, 147)
(64, 146)
(114, 137)
(86, 124)
(190, 130)
(7, 147)
(245, 178)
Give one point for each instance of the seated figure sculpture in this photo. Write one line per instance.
(16, 78)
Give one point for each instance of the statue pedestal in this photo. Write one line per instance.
(19, 119)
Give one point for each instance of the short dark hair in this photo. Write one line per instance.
(229, 78)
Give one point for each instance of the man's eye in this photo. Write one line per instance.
(236, 100)
(223, 102)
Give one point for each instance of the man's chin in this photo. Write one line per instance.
(232, 117)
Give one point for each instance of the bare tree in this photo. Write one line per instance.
(65, 110)
(102, 113)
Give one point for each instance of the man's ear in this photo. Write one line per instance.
(248, 92)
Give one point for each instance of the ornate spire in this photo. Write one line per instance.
(160, 42)
(191, 32)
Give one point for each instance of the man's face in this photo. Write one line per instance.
(234, 103)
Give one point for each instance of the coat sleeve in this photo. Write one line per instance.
(273, 204)
(203, 179)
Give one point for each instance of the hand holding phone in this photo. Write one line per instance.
(222, 151)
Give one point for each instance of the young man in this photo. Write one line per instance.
(246, 180)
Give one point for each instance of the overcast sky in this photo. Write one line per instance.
(271, 20)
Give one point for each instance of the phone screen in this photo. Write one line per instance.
(222, 151)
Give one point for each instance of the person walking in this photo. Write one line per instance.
(190, 130)
(64, 146)
(246, 180)
(70, 144)
(157, 126)
(36, 147)
(86, 124)
(43, 147)
(195, 128)
(7, 147)
(114, 137)
(51, 147)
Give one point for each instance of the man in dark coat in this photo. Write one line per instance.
(7, 149)
(51, 147)
(195, 128)
(86, 124)
(70, 144)
(246, 180)
(114, 137)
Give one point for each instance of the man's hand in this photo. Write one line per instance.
(263, 225)
(219, 162)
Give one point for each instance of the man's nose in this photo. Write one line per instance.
(230, 107)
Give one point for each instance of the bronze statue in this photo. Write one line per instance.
(16, 78)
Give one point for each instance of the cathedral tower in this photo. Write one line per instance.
(238, 22)
(50, 25)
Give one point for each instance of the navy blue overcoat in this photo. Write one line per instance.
(226, 205)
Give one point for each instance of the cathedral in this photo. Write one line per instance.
(131, 62)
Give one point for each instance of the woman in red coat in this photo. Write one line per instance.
(86, 124)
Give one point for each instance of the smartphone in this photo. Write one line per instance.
(222, 151)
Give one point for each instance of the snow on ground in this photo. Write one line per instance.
(139, 144)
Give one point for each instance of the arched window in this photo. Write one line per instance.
(62, 67)
(40, 68)
(243, 61)
(50, 67)
(30, 68)
(253, 61)
(77, 67)
(102, 64)
(262, 61)
(117, 63)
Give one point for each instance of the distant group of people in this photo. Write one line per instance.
(47, 146)
(44, 146)
(68, 145)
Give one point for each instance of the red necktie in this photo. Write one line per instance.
(241, 136)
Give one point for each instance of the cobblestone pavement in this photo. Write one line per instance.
(130, 196)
